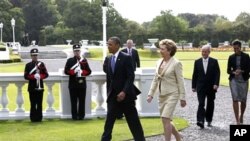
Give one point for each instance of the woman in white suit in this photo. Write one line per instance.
(169, 81)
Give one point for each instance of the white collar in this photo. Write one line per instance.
(116, 54)
(203, 59)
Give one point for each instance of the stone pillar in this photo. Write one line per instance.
(88, 100)
(145, 108)
(65, 97)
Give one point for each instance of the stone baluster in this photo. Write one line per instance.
(50, 98)
(19, 98)
(99, 97)
(4, 99)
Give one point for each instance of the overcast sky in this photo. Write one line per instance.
(145, 10)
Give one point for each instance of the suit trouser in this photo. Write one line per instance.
(77, 98)
(207, 113)
(36, 101)
(131, 116)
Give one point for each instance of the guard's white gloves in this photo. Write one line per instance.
(37, 76)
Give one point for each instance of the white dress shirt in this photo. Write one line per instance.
(205, 63)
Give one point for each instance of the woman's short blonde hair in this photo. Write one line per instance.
(170, 45)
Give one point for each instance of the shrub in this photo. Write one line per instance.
(42, 37)
(2, 46)
(196, 43)
(203, 42)
(214, 43)
(6, 61)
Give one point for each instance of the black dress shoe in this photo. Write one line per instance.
(209, 124)
(200, 124)
(80, 118)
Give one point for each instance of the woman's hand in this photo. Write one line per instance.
(149, 99)
(183, 103)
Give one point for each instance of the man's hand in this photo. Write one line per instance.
(215, 87)
(194, 90)
(37, 76)
(121, 96)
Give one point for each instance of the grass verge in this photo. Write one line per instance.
(68, 130)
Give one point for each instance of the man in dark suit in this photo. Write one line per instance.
(121, 92)
(205, 82)
(133, 53)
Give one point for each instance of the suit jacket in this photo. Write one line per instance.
(135, 57)
(202, 81)
(171, 79)
(244, 64)
(122, 79)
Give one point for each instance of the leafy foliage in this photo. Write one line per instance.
(54, 21)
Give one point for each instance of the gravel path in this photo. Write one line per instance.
(223, 117)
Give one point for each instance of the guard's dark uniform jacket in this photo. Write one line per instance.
(77, 85)
(30, 76)
(35, 94)
(75, 82)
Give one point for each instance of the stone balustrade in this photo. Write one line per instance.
(96, 92)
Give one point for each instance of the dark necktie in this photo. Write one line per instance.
(113, 63)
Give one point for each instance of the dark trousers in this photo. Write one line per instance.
(77, 98)
(131, 116)
(207, 113)
(36, 101)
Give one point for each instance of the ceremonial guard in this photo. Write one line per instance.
(77, 68)
(35, 71)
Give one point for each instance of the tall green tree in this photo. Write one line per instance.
(7, 12)
(223, 29)
(61, 4)
(168, 26)
(116, 24)
(135, 31)
(84, 17)
(39, 13)
(241, 27)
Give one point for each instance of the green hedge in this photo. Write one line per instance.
(2, 46)
(14, 60)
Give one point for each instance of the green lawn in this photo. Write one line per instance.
(13, 67)
(68, 130)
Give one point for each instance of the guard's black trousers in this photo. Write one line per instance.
(36, 107)
(77, 98)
